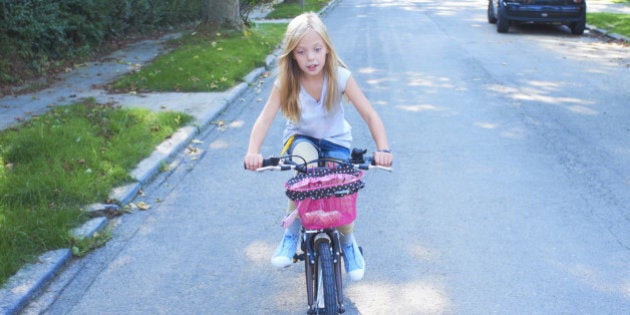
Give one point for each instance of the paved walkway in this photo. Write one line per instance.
(607, 6)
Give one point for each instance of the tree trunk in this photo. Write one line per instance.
(224, 13)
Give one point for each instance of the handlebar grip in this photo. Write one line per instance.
(272, 161)
(370, 163)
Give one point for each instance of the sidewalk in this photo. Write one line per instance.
(87, 81)
(607, 6)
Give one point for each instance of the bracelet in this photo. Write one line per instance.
(384, 151)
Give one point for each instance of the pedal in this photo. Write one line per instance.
(299, 257)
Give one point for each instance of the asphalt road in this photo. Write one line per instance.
(509, 196)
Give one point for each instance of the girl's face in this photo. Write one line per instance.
(310, 54)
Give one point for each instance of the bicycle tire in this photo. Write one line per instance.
(328, 278)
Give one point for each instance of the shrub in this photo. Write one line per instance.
(37, 34)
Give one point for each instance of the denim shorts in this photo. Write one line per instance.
(325, 148)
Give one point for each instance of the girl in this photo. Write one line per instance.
(309, 89)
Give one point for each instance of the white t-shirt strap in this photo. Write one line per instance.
(343, 75)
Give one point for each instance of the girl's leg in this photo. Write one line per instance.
(335, 151)
(346, 229)
(305, 148)
(353, 258)
(283, 255)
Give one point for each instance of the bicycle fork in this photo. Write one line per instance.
(309, 243)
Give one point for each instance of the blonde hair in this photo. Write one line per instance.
(290, 73)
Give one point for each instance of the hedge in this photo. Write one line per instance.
(36, 34)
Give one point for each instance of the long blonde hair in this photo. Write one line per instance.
(290, 73)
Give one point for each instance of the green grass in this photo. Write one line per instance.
(611, 22)
(206, 61)
(290, 9)
(54, 164)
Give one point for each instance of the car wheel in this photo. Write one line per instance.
(578, 27)
(503, 23)
(491, 17)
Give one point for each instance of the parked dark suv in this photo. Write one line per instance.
(567, 12)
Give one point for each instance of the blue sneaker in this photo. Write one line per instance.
(283, 256)
(353, 261)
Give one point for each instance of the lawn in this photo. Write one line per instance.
(290, 9)
(611, 22)
(206, 61)
(53, 165)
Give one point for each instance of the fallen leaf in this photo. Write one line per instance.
(192, 149)
(143, 205)
(127, 209)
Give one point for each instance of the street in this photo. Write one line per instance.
(509, 193)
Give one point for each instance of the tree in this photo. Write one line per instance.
(224, 13)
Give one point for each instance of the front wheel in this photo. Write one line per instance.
(327, 278)
(577, 28)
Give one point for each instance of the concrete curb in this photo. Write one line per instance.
(29, 281)
(613, 36)
(33, 278)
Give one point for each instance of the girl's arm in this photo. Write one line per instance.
(373, 120)
(253, 159)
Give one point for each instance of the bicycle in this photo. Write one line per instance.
(325, 198)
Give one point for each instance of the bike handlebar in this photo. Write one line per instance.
(277, 164)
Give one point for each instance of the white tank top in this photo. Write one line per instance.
(317, 122)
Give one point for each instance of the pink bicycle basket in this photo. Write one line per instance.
(326, 197)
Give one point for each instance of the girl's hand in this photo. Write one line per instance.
(382, 158)
(253, 161)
